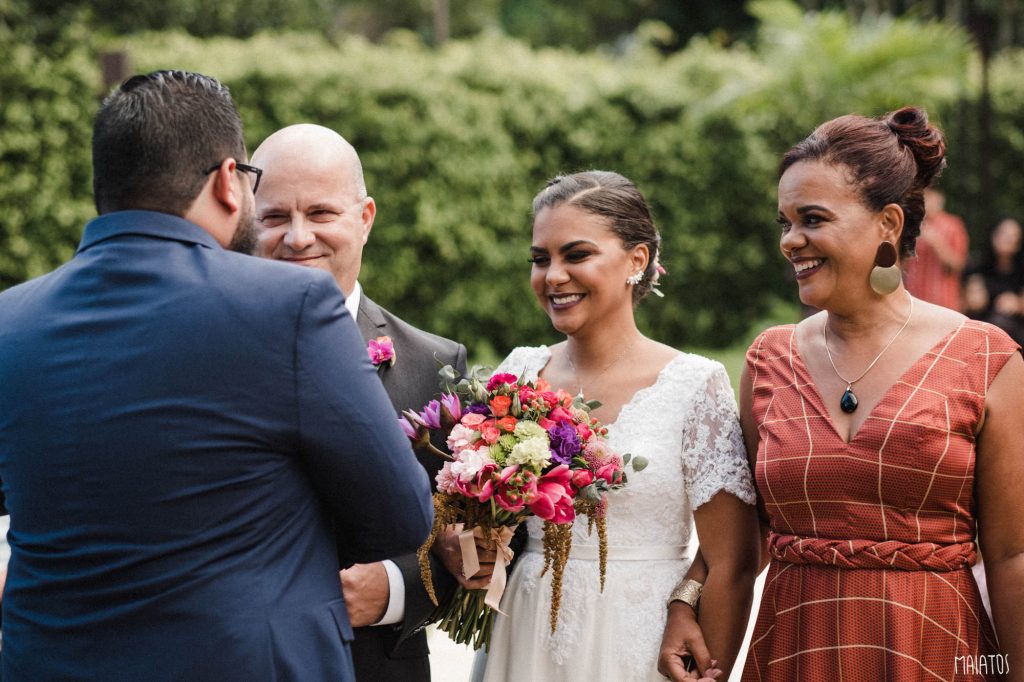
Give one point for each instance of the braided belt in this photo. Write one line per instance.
(920, 556)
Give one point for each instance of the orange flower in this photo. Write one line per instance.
(500, 404)
(508, 423)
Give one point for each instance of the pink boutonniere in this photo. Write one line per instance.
(381, 351)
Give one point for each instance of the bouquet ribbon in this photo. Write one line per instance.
(500, 538)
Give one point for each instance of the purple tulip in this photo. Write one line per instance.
(431, 415)
(407, 428)
(453, 405)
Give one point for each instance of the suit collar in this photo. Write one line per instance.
(370, 319)
(372, 324)
(144, 223)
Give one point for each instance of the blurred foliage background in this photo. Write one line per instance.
(462, 110)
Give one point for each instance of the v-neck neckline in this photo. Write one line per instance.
(662, 373)
(823, 406)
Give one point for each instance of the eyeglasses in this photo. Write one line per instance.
(245, 168)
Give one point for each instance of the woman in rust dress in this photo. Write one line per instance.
(886, 435)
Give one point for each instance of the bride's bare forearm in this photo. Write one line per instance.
(724, 612)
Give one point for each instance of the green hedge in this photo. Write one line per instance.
(455, 142)
(49, 85)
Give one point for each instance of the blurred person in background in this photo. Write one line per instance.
(994, 289)
(933, 275)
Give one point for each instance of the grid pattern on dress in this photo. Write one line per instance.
(872, 540)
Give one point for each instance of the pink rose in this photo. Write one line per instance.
(581, 478)
(472, 419)
(554, 497)
(546, 423)
(560, 414)
(610, 473)
(526, 394)
(549, 398)
(584, 431)
(489, 432)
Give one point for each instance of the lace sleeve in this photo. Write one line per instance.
(714, 456)
(525, 361)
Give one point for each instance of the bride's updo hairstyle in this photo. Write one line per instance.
(891, 160)
(610, 196)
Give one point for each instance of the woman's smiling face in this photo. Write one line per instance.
(828, 234)
(580, 268)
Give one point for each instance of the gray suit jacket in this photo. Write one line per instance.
(400, 652)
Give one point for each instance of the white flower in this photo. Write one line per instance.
(446, 479)
(461, 438)
(528, 429)
(470, 462)
(532, 452)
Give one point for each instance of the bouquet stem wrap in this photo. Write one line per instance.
(500, 539)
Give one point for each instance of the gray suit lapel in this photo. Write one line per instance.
(372, 324)
(370, 320)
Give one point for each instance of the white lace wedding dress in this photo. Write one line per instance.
(685, 424)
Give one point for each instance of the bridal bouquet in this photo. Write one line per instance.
(517, 449)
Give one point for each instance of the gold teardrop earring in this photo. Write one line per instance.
(885, 276)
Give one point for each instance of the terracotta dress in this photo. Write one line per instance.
(872, 541)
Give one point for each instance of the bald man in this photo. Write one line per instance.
(313, 210)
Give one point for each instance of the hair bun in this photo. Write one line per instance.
(924, 140)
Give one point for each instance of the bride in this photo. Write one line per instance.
(594, 256)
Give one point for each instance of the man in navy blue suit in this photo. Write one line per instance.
(185, 430)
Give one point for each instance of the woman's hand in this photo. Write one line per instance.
(684, 638)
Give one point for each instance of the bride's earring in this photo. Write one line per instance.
(885, 276)
(635, 278)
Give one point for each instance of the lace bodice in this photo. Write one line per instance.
(686, 425)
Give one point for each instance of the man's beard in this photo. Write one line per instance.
(246, 234)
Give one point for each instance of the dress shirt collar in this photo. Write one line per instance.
(352, 301)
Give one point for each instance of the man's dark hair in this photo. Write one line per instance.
(154, 137)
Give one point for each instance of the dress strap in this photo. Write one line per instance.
(919, 556)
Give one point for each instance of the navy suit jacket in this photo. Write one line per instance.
(183, 432)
